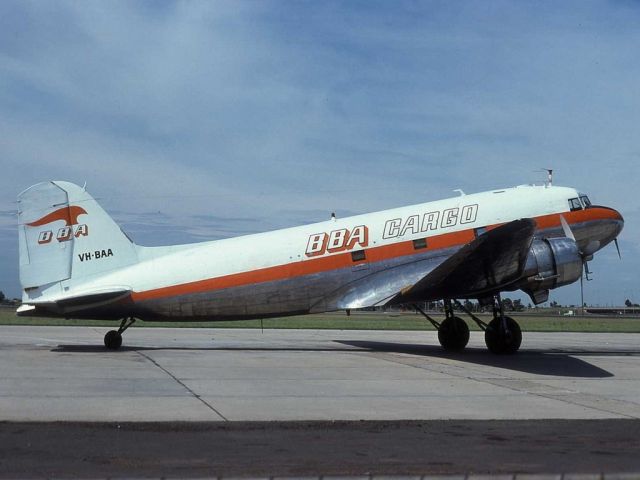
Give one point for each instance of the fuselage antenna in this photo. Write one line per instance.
(549, 176)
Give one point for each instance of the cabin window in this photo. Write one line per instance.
(574, 204)
(419, 243)
(585, 201)
(358, 256)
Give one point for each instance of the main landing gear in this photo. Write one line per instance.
(453, 332)
(113, 338)
(502, 335)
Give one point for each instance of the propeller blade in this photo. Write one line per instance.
(567, 230)
(582, 294)
(615, 240)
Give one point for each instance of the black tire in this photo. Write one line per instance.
(453, 334)
(503, 341)
(112, 340)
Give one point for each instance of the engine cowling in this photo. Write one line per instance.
(551, 263)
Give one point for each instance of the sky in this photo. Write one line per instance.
(195, 120)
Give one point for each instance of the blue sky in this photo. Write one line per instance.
(199, 120)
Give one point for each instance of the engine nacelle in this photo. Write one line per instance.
(551, 263)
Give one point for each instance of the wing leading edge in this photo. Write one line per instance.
(482, 267)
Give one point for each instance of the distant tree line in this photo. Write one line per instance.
(508, 304)
(8, 301)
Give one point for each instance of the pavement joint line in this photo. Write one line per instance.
(560, 398)
(399, 360)
(564, 398)
(177, 380)
(574, 402)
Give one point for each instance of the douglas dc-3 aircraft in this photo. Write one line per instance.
(76, 262)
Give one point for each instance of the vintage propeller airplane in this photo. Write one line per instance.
(76, 262)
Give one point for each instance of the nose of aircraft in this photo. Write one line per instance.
(620, 223)
(610, 225)
(613, 223)
(602, 225)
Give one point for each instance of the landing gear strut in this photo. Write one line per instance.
(453, 332)
(113, 338)
(503, 334)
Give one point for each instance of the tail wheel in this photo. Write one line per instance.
(503, 336)
(453, 334)
(113, 340)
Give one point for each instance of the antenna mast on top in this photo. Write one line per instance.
(549, 176)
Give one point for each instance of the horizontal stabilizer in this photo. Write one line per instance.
(77, 302)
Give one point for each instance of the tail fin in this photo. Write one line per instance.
(64, 236)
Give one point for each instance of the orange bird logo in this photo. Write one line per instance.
(68, 214)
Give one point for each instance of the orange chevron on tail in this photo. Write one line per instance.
(68, 214)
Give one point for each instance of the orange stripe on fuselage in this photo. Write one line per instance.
(343, 260)
(578, 216)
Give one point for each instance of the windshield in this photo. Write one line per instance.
(574, 204)
(585, 200)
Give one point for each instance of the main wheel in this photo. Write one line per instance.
(453, 334)
(112, 340)
(503, 339)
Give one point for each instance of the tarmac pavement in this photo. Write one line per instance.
(65, 374)
(216, 403)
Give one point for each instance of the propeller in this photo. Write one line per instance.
(582, 293)
(615, 241)
(566, 229)
(586, 254)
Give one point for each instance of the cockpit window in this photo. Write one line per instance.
(585, 201)
(574, 204)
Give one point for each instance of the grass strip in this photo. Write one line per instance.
(362, 321)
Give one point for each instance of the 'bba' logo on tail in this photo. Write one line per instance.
(71, 229)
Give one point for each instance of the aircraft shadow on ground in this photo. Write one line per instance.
(561, 364)
(552, 363)
(101, 349)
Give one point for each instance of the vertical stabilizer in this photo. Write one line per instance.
(65, 236)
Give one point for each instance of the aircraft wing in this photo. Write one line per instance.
(491, 261)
